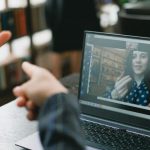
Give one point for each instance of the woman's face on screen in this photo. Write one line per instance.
(139, 62)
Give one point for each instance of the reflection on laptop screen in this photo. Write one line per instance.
(116, 74)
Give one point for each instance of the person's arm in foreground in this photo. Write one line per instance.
(58, 115)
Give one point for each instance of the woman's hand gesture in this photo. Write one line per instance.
(121, 87)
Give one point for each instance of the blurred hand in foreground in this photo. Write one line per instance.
(33, 93)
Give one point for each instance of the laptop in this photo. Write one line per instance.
(107, 123)
(111, 119)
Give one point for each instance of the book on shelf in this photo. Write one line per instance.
(14, 16)
(12, 55)
(7, 21)
(15, 21)
(20, 22)
(0, 25)
(38, 19)
(11, 74)
(3, 84)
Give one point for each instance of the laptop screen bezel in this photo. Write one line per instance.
(102, 112)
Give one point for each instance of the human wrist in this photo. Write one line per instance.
(65, 98)
(53, 91)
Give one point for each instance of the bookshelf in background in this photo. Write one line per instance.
(25, 19)
(107, 65)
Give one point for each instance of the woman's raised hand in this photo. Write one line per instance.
(121, 87)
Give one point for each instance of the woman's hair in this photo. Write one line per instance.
(129, 69)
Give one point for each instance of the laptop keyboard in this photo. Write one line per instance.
(113, 139)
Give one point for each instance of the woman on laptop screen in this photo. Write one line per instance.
(133, 85)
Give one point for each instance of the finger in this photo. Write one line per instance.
(21, 102)
(123, 92)
(122, 85)
(124, 81)
(121, 76)
(33, 110)
(4, 37)
(31, 115)
(18, 91)
(29, 68)
(31, 106)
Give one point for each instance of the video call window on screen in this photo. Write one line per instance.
(120, 74)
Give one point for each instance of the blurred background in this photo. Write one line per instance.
(51, 42)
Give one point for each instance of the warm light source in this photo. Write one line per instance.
(37, 2)
(17, 3)
(21, 47)
(2, 5)
(109, 15)
(4, 52)
(41, 38)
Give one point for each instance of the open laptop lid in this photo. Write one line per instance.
(105, 58)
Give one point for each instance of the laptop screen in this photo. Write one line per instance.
(115, 78)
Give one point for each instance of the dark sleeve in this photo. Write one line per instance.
(59, 124)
